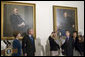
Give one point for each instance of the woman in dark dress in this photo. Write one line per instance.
(16, 43)
(75, 40)
(80, 45)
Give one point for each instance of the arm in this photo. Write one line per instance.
(63, 46)
(34, 46)
(73, 42)
(24, 45)
(14, 44)
(21, 21)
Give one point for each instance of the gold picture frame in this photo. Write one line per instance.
(26, 6)
(58, 20)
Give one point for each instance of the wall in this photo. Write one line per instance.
(44, 16)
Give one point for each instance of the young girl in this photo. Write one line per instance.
(16, 43)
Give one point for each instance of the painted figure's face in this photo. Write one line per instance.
(15, 11)
(67, 33)
(65, 14)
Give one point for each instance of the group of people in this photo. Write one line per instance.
(59, 46)
(69, 45)
(28, 43)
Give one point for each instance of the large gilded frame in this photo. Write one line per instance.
(17, 3)
(55, 16)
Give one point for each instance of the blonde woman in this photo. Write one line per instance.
(54, 47)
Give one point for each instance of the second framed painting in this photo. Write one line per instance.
(64, 18)
(17, 16)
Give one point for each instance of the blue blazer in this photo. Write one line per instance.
(17, 45)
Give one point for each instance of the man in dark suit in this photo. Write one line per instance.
(28, 44)
(68, 45)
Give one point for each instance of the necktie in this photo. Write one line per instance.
(31, 39)
(67, 39)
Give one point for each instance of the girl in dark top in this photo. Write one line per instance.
(16, 43)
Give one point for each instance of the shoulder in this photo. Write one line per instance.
(25, 36)
(14, 40)
(50, 37)
(12, 15)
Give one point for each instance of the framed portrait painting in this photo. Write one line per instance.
(17, 16)
(64, 18)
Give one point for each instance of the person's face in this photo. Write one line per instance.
(65, 14)
(19, 35)
(79, 38)
(67, 33)
(15, 10)
(54, 34)
(74, 34)
(31, 31)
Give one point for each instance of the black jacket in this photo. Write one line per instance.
(68, 47)
(28, 46)
(80, 46)
(53, 45)
(75, 42)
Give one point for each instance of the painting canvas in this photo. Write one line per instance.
(65, 18)
(17, 16)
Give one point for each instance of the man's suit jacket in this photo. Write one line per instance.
(28, 46)
(68, 47)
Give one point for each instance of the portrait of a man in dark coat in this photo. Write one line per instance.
(17, 18)
(65, 20)
(17, 23)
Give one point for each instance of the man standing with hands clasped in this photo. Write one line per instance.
(28, 44)
(67, 47)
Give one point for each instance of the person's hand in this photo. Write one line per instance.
(25, 54)
(62, 50)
